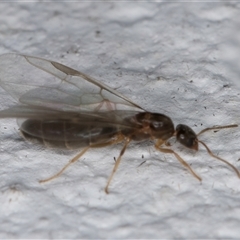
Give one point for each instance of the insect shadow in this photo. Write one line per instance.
(63, 108)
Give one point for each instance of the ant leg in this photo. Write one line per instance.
(113, 141)
(66, 166)
(117, 164)
(184, 163)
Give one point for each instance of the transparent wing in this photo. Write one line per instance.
(46, 84)
(116, 117)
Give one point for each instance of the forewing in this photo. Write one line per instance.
(42, 83)
(116, 117)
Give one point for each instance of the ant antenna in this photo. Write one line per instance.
(210, 152)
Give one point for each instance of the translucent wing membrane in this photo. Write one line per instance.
(117, 117)
(42, 83)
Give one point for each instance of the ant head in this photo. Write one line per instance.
(186, 136)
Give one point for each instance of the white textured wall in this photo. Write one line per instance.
(181, 59)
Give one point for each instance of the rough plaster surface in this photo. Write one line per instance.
(181, 59)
